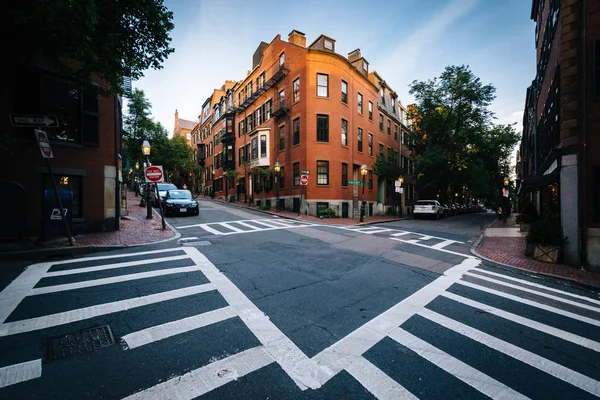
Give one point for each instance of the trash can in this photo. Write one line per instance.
(53, 224)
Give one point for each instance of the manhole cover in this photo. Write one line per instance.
(80, 342)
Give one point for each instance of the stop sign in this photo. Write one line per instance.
(154, 174)
(304, 179)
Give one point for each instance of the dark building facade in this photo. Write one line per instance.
(558, 169)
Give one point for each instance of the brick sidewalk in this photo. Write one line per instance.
(510, 251)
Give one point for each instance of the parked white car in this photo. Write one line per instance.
(428, 208)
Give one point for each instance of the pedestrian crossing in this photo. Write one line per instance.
(247, 226)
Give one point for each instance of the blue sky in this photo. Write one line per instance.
(403, 40)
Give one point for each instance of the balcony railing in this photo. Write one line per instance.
(279, 108)
(279, 73)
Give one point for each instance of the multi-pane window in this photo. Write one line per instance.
(360, 140)
(322, 128)
(380, 149)
(258, 117)
(322, 172)
(268, 109)
(262, 79)
(263, 146)
(296, 172)
(389, 128)
(282, 98)
(370, 110)
(395, 132)
(249, 122)
(344, 174)
(344, 132)
(282, 137)
(328, 44)
(370, 144)
(322, 85)
(344, 92)
(360, 103)
(381, 122)
(281, 178)
(296, 90)
(370, 180)
(281, 60)
(254, 148)
(296, 131)
(240, 156)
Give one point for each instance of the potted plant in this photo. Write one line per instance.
(528, 216)
(545, 239)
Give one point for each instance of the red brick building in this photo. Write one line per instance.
(558, 161)
(86, 161)
(306, 108)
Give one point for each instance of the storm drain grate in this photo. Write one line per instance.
(80, 342)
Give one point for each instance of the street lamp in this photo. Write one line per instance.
(277, 168)
(146, 152)
(137, 168)
(363, 171)
(401, 180)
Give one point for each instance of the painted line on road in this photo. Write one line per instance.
(18, 289)
(538, 326)
(376, 231)
(206, 228)
(455, 367)
(22, 372)
(401, 233)
(108, 281)
(105, 267)
(536, 292)
(253, 227)
(532, 303)
(339, 355)
(529, 283)
(283, 350)
(66, 317)
(229, 226)
(445, 243)
(543, 364)
(169, 329)
(141, 253)
(433, 248)
(267, 225)
(377, 382)
(205, 379)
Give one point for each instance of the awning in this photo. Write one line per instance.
(539, 182)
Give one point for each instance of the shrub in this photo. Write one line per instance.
(528, 214)
(265, 207)
(329, 212)
(546, 231)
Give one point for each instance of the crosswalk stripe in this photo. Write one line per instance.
(141, 253)
(169, 329)
(267, 225)
(66, 317)
(254, 228)
(377, 231)
(113, 266)
(367, 229)
(21, 372)
(543, 364)
(229, 226)
(550, 330)
(206, 228)
(107, 281)
(205, 379)
(536, 292)
(377, 382)
(416, 243)
(402, 233)
(536, 304)
(443, 244)
(471, 376)
(533, 284)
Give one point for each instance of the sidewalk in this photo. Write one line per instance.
(378, 219)
(504, 244)
(135, 230)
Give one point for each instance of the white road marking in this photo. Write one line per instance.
(108, 281)
(469, 375)
(377, 231)
(401, 233)
(229, 226)
(255, 225)
(536, 292)
(205, 379)
(141, 253)
(431, 247)
(529, 283)
(22, 372)
(66, 317)
(105, 267)
(169, 329)
(377, 382)
(339, 355)
(293, 361)
(536, 304)
(206, 228)
(266, 224)
(18, 289)
(367, 229)
(254, 228)
(445, 243)
(550, 330)
(543, 364)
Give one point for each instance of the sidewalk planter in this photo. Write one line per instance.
(551, 254)
(529, 249)
(545, 239)
(523, 227)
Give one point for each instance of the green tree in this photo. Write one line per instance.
(262, 174)
(110, 39)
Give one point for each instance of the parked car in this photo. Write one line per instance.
(162, 192)
(180, 201)
(448, 211)
(430, 208)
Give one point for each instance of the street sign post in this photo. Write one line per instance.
(154, 174)
(304, 180)
(399, 189)
(305, 172)
(43, 143)
(397, 183)
(356, 183)
(33, 121)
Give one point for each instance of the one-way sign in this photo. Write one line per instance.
(33, 121)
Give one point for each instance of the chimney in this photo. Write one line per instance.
(354, 55)
(298, 38)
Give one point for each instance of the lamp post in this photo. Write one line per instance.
(277, 168)
(505, 199)
(212, 194)
(137, 168)
(401, 180)
(363, 171)
(146, 152)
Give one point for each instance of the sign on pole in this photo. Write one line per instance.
(43, 143)
(356, 183)
(304, 180)
(397, 183)
(33, 121)
(305, 172)
(399, 189)
(504, 192)
(154, 174)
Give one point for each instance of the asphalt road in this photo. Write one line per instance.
(246, 305)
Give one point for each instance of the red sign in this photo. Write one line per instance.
(304, 179)
(43, 143)
(154, 173)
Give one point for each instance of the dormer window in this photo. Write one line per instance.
(328, 44)
(365, 66)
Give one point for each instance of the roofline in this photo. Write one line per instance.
(330, 53)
